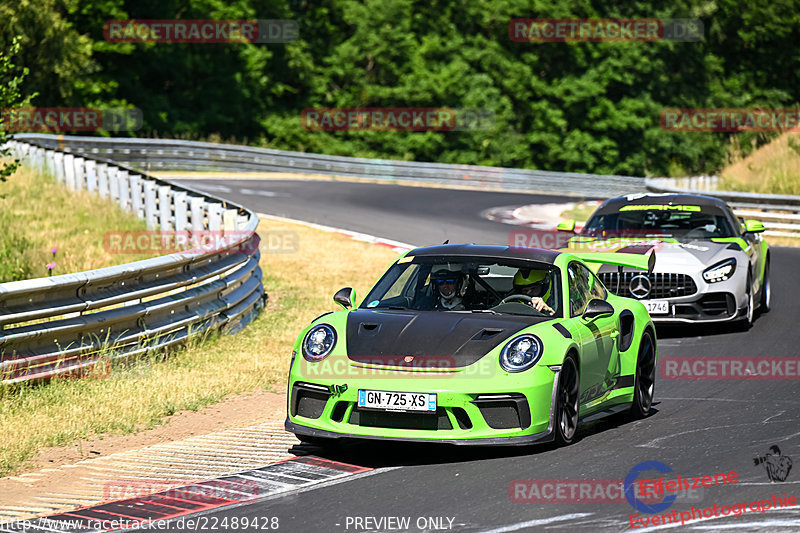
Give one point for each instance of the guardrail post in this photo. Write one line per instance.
(197, 204)
(37, 158)
(58, 163)
(50, 162)
(80, 173)
(181, 215)
(123, 182)
(214, 217)
(102, 179)
(150, 213)
(91, 175)
(69, 171)
(165, 207)
(136, 195)
(229, 221)
(113, 183)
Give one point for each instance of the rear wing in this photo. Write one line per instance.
(597, 259)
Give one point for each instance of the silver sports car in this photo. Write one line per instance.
(712, 265)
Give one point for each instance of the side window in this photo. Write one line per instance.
(579, 291)
(596, 287)
(583, 286)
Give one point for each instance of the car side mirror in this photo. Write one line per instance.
(566, 225)
(597, 307)
(753, 226)
(345, 297)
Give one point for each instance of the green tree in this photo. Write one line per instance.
(11, 77)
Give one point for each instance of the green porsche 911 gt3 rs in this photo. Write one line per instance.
(474, 344)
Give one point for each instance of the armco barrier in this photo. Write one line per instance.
(779, 212)
(72, 323)
(164, 154)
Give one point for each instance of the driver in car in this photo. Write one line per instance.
(449, 286)
(537, 285)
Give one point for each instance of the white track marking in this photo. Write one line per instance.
(210, 187)
(396, 245)
(259, 192)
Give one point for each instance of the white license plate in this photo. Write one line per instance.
(657, 307)
(397, 401)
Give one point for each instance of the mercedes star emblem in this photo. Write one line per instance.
(640, 286)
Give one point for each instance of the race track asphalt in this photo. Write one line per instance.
(697, 427)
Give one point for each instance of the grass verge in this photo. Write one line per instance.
(772, 169)
(38, 214)
(141, 395)
(579, 212)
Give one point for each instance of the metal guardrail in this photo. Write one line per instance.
(165, 154)
(73, 323)
(779, 212)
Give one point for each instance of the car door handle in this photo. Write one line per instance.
(614, 334)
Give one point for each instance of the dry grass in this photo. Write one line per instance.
(774, 168)
(300, 287)
(579, 211)
(38, 214)
(782, 241)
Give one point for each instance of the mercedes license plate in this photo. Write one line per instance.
(657, 307)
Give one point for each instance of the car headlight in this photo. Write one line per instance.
(521, 353)
(721, 271)
(318, 343)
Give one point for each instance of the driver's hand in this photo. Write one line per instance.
(539, 305)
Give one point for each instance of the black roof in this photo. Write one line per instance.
(613, 204)
(487, 250)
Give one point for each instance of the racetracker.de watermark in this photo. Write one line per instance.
(390, 367)
(201, 31)
(625, 241)
(730, 120)
(729, 368)
(207, 492)
(587, 491)
(396, 119)
(55, 119)
(199, 242)
(569, 30)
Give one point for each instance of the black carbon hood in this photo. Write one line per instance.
(432, 338)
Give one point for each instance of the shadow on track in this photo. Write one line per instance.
(380, 454)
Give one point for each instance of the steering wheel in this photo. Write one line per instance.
(546, 310)
(517, 297)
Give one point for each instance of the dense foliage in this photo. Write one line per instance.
(586, 107)
(11, 77)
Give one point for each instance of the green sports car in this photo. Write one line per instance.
(475, 344)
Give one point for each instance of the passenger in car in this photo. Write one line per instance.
(449, 285)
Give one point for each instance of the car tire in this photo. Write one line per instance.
(644, 382)
(766, 291)
(567, 402)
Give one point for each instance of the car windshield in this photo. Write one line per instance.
(683, 222)
(469, 285)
